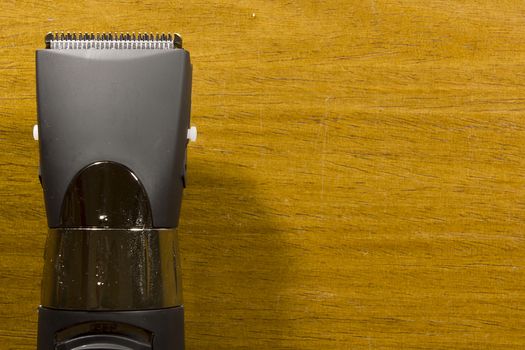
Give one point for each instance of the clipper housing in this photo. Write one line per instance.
(113, 120)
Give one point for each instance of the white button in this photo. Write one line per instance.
(35, 132)
(192, 134)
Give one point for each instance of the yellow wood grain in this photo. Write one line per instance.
(358, 182)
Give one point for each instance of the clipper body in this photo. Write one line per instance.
(113, 120)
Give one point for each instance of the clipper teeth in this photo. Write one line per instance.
(119, 41)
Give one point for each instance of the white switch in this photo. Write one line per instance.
(35, 132)
(192, 134)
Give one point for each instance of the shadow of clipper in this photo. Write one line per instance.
(113, 127)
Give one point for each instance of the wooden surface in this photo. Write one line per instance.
(358, 182)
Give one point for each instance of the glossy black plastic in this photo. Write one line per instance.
(110, 269)
(106, 255)
(106, 195)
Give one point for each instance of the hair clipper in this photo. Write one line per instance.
(113, 127)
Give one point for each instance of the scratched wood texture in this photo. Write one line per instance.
(358, 182)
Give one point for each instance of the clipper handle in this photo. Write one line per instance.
(111, 281)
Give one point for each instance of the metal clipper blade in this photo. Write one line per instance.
(129, 41)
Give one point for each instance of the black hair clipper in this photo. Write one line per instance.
(113, 126)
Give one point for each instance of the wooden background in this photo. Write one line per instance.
(358, 182)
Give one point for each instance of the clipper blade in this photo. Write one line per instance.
(118, 41)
